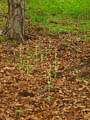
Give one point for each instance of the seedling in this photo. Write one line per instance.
(36, 53)
(6, 57)
(81, 63)
(22, 64)
(17, 57)
(7, 62)
(30, 53)
(28, 68)
(49, 82)
(19, 112)
(40, 48)
(55, 60)
(65, 43)
(14, 41)
(48, 98)
(74, 38)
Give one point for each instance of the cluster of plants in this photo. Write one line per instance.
(38, 58)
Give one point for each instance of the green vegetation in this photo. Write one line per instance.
(61, 15)
(71, 8)
(55, 62)
(49, 82)
(19, 112)
(56, 15)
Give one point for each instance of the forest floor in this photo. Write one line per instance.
(47, 78)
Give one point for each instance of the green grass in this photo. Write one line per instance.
(43, 12)
(74, 8)
(56, 15)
